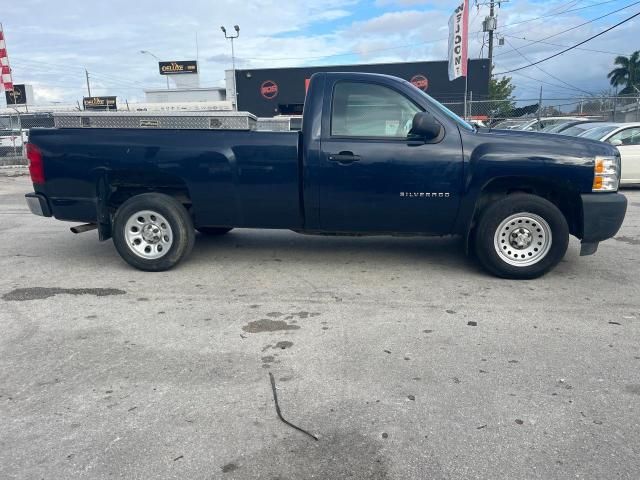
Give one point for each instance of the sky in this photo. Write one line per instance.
(52, 42)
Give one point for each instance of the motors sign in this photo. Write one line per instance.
(420, 81)
(99, 103)
(269, 89)
(178, 67)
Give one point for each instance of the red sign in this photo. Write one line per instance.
(420, 81)
(269, 89)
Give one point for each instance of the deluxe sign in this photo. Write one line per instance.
(17, 96)
(99, 103)
(178, 67)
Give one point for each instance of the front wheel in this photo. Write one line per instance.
(521, 236)
(153, 232)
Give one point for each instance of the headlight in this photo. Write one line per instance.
(606, 174)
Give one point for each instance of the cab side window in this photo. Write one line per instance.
(630, 136)
(369, 110)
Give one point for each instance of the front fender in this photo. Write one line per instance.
(553, 162)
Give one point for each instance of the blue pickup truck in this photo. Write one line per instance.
(375, 156)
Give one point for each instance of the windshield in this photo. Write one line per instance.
(578, 129)
(444, 110)
(556, 128)
(598, 132)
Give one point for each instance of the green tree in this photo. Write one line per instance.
(501, 89)
(501, 94)
(626, 73)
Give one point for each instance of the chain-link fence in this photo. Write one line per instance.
(492, 112)
(14, 131)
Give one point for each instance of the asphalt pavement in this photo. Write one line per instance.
(401, 356)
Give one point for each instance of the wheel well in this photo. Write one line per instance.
(124, 185)
(562, 196)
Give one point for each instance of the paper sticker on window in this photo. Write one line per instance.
(391, 127)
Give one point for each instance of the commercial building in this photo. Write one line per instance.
(281, 91)
(185, 95)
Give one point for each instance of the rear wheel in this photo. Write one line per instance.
(214, 230)
(521, 236)
(153, 232)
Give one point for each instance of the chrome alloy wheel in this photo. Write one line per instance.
(148, 234)
(522, 239)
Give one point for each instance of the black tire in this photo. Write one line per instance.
(213, 231)
(181, 229)
(489, 242)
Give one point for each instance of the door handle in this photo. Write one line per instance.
(344, 157)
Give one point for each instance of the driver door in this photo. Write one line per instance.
(373, 178)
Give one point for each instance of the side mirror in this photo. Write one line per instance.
(616, 142)
(426, 126)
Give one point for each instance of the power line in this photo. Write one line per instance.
(560, 45)
(38, 65)
(549, 14)
(573, 46)
(578, 26)
(545, 72)
(544, 82)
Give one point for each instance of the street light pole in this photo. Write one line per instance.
(88, 84)
(147, 52)
(233, 62)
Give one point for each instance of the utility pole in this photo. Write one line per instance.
(540, 104)
(490, 24)
(88, 84)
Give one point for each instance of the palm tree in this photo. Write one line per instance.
(627, 73)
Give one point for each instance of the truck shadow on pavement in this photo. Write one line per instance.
(263, 246)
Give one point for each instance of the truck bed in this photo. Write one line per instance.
(231, 176)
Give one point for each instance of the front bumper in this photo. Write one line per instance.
(38, 204)
(602, 216)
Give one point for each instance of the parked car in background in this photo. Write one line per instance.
(538, 124)
(476, 123)
(14, 131)
(11, 142)
(509, 124)
(626, 138)
(582, 127)
(561, 127)
(11, 139)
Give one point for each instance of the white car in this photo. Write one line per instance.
(626, 137)
(545, 122)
